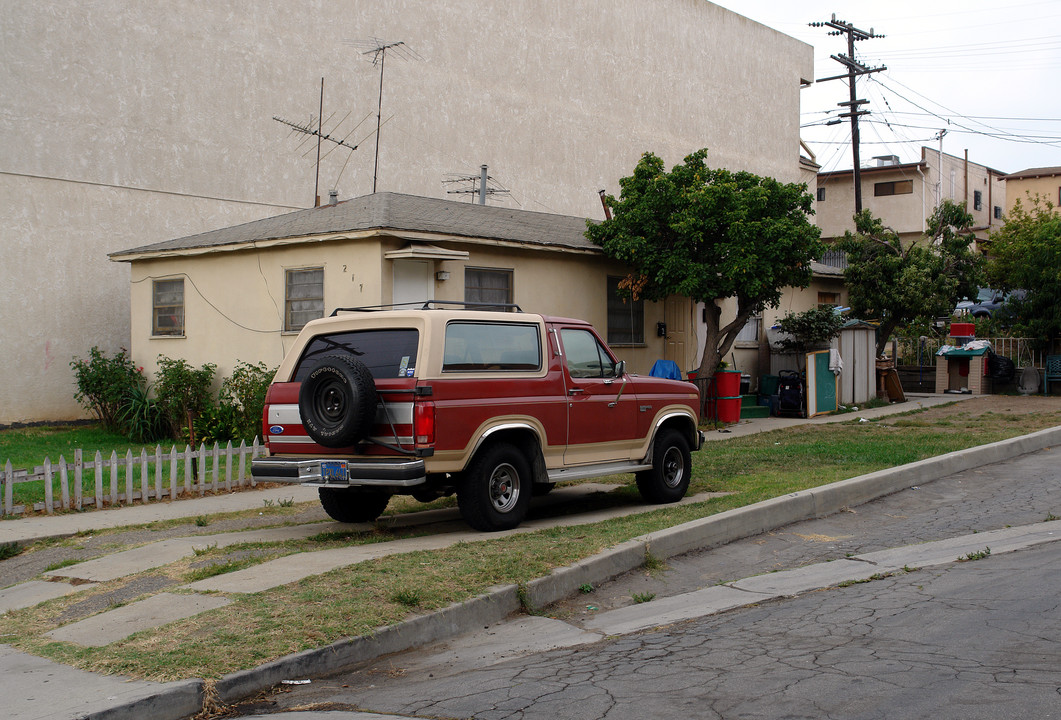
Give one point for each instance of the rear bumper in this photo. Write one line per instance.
(382, 472)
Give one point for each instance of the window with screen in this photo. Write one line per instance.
(488, 286)
(303, 297)
(167, 307)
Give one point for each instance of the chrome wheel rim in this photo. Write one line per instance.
(504, 488)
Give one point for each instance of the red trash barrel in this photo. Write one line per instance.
(729, 409)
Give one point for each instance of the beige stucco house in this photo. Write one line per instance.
(243, 292)
(904, 195)
(1026, 185)
(131, 122)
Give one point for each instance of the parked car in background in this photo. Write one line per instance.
(987, 302)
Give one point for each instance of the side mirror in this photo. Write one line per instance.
(620, 368)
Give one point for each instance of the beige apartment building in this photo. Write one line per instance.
(904, 195)
(1027, 185)
(130, 122)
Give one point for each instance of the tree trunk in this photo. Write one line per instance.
(718, 340)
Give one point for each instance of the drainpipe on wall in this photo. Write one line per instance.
(966, 179)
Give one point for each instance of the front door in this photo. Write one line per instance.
(676, 315)
(412, 282)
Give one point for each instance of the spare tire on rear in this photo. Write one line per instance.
(337, 401)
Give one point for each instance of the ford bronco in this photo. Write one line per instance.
(492, 406)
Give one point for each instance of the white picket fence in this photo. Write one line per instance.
(158, 475)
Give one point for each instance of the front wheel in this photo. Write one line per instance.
(350, 505)
(495, 492)
(668, 480)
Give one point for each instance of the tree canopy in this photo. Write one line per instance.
(710, 234)
(895, 285)
(1026, 255)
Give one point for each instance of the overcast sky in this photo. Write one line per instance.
(987, 72)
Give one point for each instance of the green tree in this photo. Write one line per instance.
(709, 235)
(1026, 255)
(895, 285)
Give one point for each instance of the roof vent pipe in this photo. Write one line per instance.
(333, 197)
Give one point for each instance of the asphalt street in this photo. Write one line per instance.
(976, 638)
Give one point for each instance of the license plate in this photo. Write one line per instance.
(333, 472)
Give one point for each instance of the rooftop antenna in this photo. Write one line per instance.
(307, 129)
(479, 185)
(377, 49)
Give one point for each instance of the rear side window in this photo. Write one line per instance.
(387, 353)
(473, 347)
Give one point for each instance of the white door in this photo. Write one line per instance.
(412, 282)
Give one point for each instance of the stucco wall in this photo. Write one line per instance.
(234, 301)
(129, 122)
(906, 214)
(1025, 190)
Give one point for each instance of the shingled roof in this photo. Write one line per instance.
(389, 211)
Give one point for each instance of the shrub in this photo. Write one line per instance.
(245, 391)
(142, 418)
(809, 329)
(183, 392)
(105, 385)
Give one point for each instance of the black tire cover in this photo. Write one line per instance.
(337, 401)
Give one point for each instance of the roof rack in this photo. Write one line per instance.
(432, 305)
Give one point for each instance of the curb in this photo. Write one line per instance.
(500, 602)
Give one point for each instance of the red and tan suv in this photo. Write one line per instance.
(492, 406)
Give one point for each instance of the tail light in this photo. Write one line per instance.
(424, 422)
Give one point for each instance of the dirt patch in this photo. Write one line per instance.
(993, 404)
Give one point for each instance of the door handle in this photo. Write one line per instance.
(575, 391)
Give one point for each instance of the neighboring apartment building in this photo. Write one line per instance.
(904, 195)
(1026, 185)
(131, 122)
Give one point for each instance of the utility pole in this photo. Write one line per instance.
(854, 69)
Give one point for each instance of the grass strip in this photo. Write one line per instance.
(356, 600)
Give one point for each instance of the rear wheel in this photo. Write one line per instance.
(352, 505)
(668, 480)
(496, 489)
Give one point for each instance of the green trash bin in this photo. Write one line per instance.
(768, 385)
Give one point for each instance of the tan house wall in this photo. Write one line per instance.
(128, 122)
(1025, 190)
(907, 213)
(234, 301)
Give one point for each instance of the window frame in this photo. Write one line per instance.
(473, 360)
(893, 187)
(178, 315)
(509, 289)
(635, 333)
(289, 325)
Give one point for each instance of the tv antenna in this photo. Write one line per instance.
(480, 185)
(377, 49)
(307, 129)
